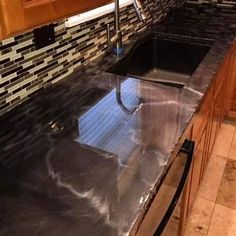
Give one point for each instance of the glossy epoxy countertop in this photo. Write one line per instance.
(74, 161)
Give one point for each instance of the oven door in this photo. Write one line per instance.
(164, 215)
(169, 196)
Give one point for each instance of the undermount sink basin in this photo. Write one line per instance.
(162, 60)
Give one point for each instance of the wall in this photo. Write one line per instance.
(225, 3)
(24, 70)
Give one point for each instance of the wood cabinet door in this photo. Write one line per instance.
(207, 140)
(197, 166)
(19, 15)
(232, 83)
(219, 111)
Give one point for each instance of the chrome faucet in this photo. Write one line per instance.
(117, 38)
(139, 10)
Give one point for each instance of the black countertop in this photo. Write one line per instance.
(74, 162)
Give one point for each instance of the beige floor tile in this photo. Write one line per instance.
(212, 179)
(232, 152)
(224, 140)
(227, 191)
(199, 221)
(223, 222)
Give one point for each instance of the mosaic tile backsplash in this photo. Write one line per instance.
(223, 3)
(24, 70)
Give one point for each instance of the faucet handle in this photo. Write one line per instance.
(139, 10)
(115, 38)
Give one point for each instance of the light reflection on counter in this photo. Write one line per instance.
(105, 125)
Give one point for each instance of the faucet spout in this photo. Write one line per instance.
(118, 37)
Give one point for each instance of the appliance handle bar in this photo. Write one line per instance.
(187, 148)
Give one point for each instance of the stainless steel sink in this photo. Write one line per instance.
(164, 60)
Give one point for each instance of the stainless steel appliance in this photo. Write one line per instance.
(165, 216)
(175, 180)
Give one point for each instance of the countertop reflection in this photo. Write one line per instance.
(78, 169)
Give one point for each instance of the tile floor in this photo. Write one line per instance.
(214, 211)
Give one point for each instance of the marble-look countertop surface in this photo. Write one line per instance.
(76, 161)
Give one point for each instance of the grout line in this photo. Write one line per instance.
(222, 173)
(231, 121)
(211, 219)
(214, 211)
(220, 181)
(210, 200)
(226, 206)
(231, 144)
(191, 214)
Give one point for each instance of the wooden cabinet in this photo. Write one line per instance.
(231, 85)
(218, 105)
(33, 3)
(199, 164)
(19, 15)
(206, 124)
(1, 21)
(233, 75)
